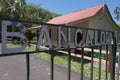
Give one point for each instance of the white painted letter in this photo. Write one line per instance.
(44, 32)
(61, 34)
(69, 37)
(108, 37)
(88, 38)
(20, 34)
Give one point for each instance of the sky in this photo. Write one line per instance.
(69, 6)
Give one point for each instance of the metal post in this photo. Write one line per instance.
(28, 66)
(106, 62)
(109, 58)
(118, 67)
(112, 73)
(69, 64)
(52, 66)
(100, 54)
(91, 73)
(114, 49)
(82, 64)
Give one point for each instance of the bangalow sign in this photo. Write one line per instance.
(91, 37)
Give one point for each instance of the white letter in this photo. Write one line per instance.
(17, 34)
(108, 37)
(69, 37)
(88, 38)
(61, 34)
(40, 42)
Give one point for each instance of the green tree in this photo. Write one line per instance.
(117, 13)
(36, 13)
(12, 8)
(18, 9)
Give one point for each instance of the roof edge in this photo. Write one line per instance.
(111, 16)
(65, 23)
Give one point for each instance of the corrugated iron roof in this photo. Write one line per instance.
(76, 16)
(72, 17)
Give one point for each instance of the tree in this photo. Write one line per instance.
(12, 8)
(36, 13)
(117, 13)
(18, 9)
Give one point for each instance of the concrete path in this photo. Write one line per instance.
(14, 68)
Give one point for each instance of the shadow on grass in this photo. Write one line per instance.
(73, 58)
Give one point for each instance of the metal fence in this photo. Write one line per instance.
(73, 40)
(118, 60)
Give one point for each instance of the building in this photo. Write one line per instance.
(97, 17)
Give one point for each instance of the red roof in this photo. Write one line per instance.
(76, 16)
(72, 17)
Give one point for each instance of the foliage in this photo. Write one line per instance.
(62, 60)
(75, 65)
(18, 9)
(36, 13)
(117, 13)
(12, 8)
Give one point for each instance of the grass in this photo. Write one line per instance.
(75, 65)
(63, 62)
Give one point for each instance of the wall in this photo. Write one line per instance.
(103, 21)
(54, 31)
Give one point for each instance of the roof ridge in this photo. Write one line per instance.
(82, 10)
(75, 16)
(88, 8)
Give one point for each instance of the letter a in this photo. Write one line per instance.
(88, 38)
(40, 42)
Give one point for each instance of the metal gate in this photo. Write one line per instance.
(94, 41)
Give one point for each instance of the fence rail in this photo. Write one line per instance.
(68, 36)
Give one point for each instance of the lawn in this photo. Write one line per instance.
(62, 60)
(75, 65)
